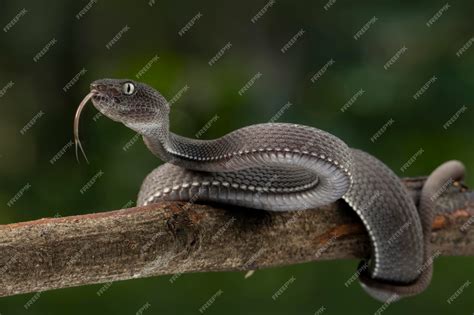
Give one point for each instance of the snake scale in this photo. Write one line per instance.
(285, 167)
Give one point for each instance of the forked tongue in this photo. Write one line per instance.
(77, 141)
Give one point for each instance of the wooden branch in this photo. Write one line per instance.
(173, 238)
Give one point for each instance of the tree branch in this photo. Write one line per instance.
(173, 238)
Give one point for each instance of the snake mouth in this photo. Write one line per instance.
(109, 105)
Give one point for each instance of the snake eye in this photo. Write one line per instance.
(128, 88)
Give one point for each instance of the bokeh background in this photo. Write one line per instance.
(78, 33)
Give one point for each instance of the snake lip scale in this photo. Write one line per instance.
(285, 167)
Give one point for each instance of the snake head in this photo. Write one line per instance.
(137, 105)
(129, 102)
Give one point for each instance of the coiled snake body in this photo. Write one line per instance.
(286, 167)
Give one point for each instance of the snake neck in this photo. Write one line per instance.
(173, 148)
(157, 140)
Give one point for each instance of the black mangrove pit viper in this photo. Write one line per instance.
(285, 167)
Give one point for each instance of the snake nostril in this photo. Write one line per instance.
(98, 87)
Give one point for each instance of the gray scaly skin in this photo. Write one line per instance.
(286, 167)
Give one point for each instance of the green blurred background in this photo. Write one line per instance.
(329, 29)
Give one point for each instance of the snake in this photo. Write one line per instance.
(285, 167)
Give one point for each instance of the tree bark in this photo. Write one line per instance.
(174, 238)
